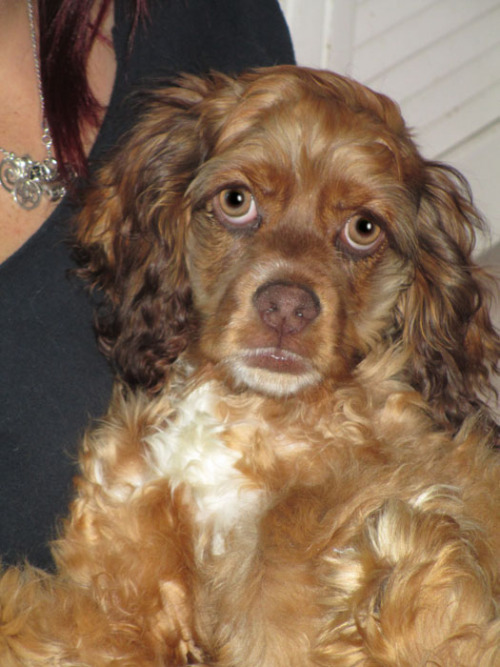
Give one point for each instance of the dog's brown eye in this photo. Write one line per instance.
(235, 206)
(362, 234)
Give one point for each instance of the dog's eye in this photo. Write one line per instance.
(362, 234)
(235, 206)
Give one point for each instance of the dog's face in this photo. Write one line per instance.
(283, 227)
(292, 247)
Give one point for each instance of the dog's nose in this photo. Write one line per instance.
(287, 308)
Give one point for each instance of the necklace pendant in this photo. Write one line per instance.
(16, 176)
(53, 185)
(27, 180)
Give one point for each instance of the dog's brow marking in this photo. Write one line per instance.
(191, 450)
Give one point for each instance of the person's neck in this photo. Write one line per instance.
(18, 82)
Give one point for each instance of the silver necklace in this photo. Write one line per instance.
(26, 179)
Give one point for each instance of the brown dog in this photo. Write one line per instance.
(303, 471)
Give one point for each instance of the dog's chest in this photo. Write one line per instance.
(194, 451)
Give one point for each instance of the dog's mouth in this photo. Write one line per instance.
(273, 371)
(277, 360)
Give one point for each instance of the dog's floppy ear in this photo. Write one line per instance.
(131, 233)
(445, 321)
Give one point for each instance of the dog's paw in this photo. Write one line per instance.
(414, 588)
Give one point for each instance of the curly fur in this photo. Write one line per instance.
(298, 466)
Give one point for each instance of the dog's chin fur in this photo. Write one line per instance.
(298, 466)
(247, 372)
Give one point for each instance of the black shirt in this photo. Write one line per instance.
(53, 380)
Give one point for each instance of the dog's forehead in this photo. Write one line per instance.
(309, 108)
(294, 146)
(309, 133)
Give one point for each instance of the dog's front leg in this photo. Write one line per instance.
(128, 542)
(415, 589)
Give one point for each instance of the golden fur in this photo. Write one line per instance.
(298, 466)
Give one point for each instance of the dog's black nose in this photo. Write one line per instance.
(287, 308)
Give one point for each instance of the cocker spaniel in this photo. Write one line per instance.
(298, 466)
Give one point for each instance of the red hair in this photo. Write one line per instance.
(66, 37)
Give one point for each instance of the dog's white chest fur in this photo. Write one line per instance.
(191, 451)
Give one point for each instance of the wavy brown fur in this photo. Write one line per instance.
(304, 471)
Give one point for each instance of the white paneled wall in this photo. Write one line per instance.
(440, 59)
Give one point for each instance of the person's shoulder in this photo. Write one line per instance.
(199, 35)
(233, 35)
(267, 22)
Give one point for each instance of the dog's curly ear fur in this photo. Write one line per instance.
(131, 233)
(452, 344)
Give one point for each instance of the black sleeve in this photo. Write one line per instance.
(243, 34)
